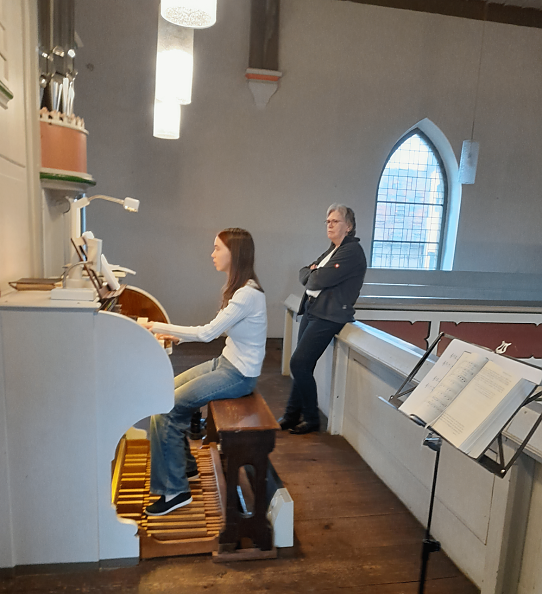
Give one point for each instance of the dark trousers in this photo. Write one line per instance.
(314, 336)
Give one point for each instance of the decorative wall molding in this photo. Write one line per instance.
(263, 84)
(61, 119)
(55, 179)
(5, 95)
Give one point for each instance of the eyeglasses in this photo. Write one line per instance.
(333, 222)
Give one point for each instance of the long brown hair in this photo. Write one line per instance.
(241, 246)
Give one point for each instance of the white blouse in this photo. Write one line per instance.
(244, 320)
(322, 263)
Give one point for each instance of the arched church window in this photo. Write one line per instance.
(411, 206)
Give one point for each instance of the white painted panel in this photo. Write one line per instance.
(531, 570)
(322, 375)
(134, 380)
(12, 120)
(57, 249)
(51, 419)
(402, 439)
(3, 46)
(15, 240)
(6, 550)
(16, 233)
(392, 444)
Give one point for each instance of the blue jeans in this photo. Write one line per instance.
(170, 453)
(312, 340)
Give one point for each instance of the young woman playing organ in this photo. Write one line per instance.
(243, 318)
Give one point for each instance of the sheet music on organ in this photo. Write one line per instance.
(470, 394)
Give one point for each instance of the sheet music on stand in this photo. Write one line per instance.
(468, 399)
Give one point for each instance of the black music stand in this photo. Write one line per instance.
(433, 441)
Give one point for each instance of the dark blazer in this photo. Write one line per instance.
(339, 281)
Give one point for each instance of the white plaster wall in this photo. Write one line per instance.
(356, 77)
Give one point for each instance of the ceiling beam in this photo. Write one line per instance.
(467, 9)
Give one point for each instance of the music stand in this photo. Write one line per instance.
(433, 440)
(106, 297)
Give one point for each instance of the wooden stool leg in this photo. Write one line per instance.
(241, 450)
(261, 531)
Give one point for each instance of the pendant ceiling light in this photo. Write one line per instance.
(167, 120)
(197, 14)
(174, 63)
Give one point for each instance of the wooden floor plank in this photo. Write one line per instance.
(344, 535)
(322, 502)
(346, 480)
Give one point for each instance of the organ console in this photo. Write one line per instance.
(74, 475)
(74, 380)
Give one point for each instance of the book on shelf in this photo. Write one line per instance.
(470, 394)
(35, 284)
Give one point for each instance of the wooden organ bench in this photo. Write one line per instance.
(244, 429)
(228, 514)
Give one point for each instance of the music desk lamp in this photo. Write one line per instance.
(74, 286)
(130, 204)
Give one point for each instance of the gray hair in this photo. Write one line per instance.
(347, 213)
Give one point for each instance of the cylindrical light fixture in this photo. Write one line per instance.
(197, 14)
(174, 63)
(167, 120)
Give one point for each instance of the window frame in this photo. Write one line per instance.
(444, 172)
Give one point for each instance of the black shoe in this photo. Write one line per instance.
(287, 424)
(163, 507)
(195, 426)
(305, 427)
(192, 475)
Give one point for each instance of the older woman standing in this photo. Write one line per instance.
(332, 284)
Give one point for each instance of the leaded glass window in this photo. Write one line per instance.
(410, 207)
